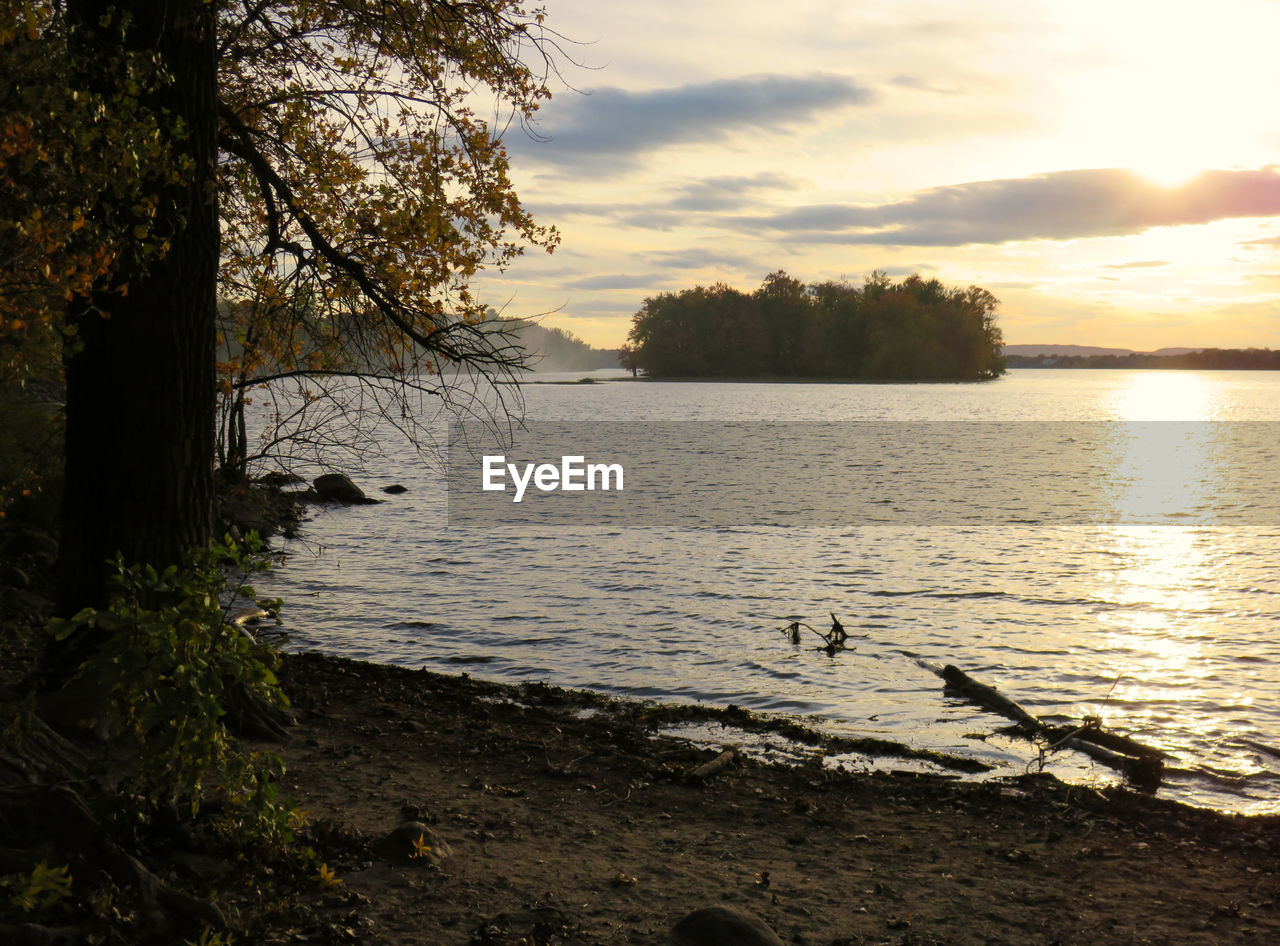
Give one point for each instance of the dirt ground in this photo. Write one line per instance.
(566, 820)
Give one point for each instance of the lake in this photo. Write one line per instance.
(1165, 624)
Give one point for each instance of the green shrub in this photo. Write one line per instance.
(30, 454)
(163, 667)
(44, 888)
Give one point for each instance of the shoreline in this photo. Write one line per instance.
(780, 737)
(1187, 781)
(569, 807)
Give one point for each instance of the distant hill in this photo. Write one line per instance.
(1085, 351)
(554, 349)
(1040, 351)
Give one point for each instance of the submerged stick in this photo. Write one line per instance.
(833, 640)
(792, 631)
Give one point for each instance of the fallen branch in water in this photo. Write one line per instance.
(833, 640)
(1141, 764)
(956, 679)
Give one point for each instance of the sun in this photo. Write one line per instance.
(1170, 173)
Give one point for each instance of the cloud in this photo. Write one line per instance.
(657, 220)
(917, 84)
(558, 210)
(728, 192)
(614, 281)
(600, 306)
(699, 258)
(1065, 205)
(612, 128)
(1138, 264)
(713, 195)
(907, 270)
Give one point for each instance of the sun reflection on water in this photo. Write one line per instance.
(1165, 586)
(1169, 460)
(1163, 591)
(1162, 584)
(1168, 395)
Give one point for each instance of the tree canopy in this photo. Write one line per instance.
(361, 191)
(313, 178)
(75, 147)
(316, 181)
(353, 170)
(912, 329)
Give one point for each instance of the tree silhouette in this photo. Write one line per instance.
(318, 159)
(914, 329)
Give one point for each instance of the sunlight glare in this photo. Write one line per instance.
(1167, 395)
(1160, 588)
(1168, 172)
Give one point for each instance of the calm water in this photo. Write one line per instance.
(1169, 633)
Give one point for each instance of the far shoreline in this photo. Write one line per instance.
(763, 379)
(820, 380)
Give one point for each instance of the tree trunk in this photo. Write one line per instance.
(140, 384)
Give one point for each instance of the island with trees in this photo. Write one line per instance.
(913, 329)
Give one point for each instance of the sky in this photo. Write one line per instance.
(1109, 170)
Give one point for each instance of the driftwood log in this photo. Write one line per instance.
(714, 767)
(1141, 764)
(959, 681)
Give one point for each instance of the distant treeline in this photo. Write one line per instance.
(1223, 359)
(913, 329)
(342, 341)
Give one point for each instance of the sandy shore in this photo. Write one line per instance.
(564, 819)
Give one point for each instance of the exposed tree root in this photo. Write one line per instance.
(39, 754)
(251, 717)
(54, 823)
